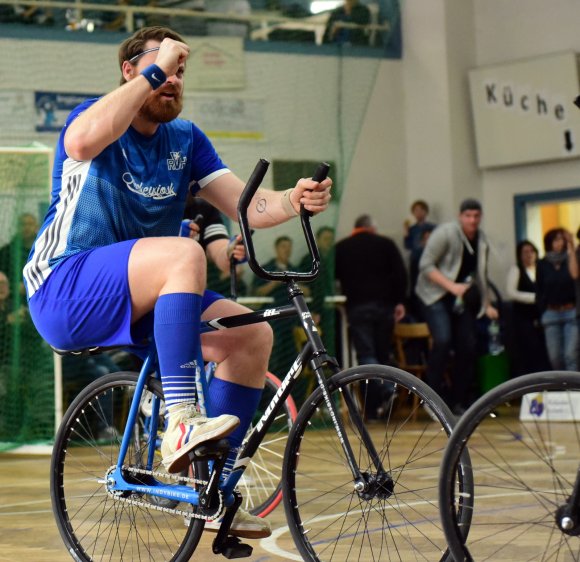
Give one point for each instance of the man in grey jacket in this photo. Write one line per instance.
(452, 286)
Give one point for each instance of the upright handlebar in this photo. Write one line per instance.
(249, 191)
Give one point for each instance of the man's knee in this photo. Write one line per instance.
(262, 338)
(188, 256)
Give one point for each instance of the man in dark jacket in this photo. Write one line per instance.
(372, 275)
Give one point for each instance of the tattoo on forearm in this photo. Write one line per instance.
(262, 207)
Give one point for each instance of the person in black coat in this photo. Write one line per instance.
(373, 278)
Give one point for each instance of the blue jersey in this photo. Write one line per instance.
(135, 188)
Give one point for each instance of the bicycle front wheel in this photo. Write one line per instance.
(398, 452)
(524, 443)
(94, 525)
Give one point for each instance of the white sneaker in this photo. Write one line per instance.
(244, 525)
(186, 429)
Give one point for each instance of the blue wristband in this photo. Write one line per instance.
(154, 75)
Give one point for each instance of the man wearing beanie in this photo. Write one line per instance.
(452, 286)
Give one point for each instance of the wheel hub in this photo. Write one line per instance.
(567, 521)
(380, 486)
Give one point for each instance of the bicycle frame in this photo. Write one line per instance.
(313, 352)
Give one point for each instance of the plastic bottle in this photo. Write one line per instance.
(459, 304)
(495, 345)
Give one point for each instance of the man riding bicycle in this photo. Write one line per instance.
(108, 268)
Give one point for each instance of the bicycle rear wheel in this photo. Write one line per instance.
(261, 484)
(94, 525)
(525, 462)
(396, 517)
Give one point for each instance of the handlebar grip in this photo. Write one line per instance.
(321, 172)
(253, 184)
(319, 175)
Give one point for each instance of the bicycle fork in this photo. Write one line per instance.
(568, 515)
(319, 358)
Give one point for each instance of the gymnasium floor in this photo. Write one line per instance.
(29, 533)
(523, 472)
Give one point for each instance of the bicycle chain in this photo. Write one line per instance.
(118, 494)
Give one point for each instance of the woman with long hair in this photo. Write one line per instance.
(556, 298)
(530, 343)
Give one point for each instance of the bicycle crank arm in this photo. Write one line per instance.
(230, 547)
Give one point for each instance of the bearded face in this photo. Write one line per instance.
(163, 105)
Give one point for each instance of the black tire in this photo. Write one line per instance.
(261, 484)
(523, 472)
(93, 525)
(397, 520)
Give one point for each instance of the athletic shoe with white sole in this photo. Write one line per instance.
(244, 525)
(186, 429)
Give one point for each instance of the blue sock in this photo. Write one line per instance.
(176, 329)
(230, 398)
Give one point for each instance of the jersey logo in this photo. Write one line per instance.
(176, 162)
(149, 191)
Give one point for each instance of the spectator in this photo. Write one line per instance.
(193, 26)
(230, 28)
(416, 308)
(352, 12)
(556, 298)
(280, 262)
(283, 353)
(530, 343)
(323, 285)
(13, 255)
(414, 232)
(208, 228)
(453, 287)
(416, 236)
(372, 275)
(24, 360)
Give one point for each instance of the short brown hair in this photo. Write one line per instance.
(420, 203)
(135, 44)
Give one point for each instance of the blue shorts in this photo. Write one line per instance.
(86, 302)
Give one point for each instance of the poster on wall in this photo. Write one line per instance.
(524, 112)
(226, 118)
(52, 109)
(216, 64)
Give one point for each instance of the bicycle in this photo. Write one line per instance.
(525, 470)
(367, 478)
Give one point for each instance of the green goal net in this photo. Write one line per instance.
(27, 412)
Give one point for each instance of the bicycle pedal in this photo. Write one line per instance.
(232, 548)
(210, 450)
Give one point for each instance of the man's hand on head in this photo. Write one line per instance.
(172, 54)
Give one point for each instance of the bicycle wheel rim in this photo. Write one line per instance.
(93, 525)
(523, 470)
(261, 484)
(396, 520)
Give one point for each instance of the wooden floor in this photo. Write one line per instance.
(28, 532)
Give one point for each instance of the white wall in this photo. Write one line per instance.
(416, 138)
(509, 30)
